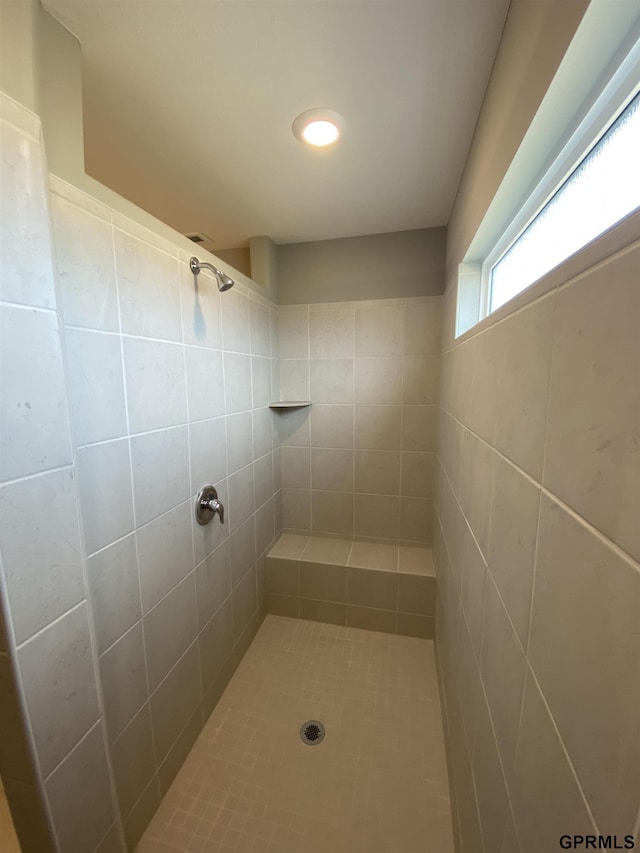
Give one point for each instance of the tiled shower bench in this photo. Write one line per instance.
(386, 588)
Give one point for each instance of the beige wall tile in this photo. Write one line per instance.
(420, 380)
(260, 332)
(331, 332)
(148, 289)
(417, 594)
(416, 561)
(123, 674)
(419, 427)
(283, 576)
(377, 516)
(418, 475)
(133, 760)
(165, 553)
(59, 686)
(244, 602)
(157, 390)
(489, 781)
(379, 328)
(140, 816)
(416, 520)
(241, 499)
(410, 625)
(283, 605)
(332, 470)
(377, 427)
(332, 426)
(378, 589)
(581, 582)
(178, 753)
(371, 620)
(234, 309)
(293, 333)
(546, 800)
(512, 541)
(296, 509)
(115, 591)
(263, 479)
(523, 381)
(323, 582)
(331, 380)
(332, 512)
(377, 472)
(213, 582)
(296, 467)
(79, 795)
(239, 441)
(175, 700)
(423, 328)
(242, 544)
(378, 381)
(592, 458)
(376, 556)
(216, 644)
(472, 593)
(42, 562)
(322, 550)
(292, 427)
(503, 667)
(86, 268)
(289, 545)
(169, 628)
(323, 611)
(294, 379)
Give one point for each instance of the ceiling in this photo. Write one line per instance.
(188, 106)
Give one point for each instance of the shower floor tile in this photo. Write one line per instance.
(377, 783)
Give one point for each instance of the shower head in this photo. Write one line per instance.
(223, 280)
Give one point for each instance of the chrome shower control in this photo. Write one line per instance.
(207, 505)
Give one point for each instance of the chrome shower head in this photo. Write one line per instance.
(222, 279)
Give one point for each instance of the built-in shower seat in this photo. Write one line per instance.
(390, 588)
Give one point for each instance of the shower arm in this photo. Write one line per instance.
(196, 265)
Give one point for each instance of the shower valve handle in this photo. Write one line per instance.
(207, 505)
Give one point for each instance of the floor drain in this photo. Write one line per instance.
(312, 732)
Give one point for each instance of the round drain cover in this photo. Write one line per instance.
(312, 732)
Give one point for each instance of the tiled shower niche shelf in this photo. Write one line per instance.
(387, 588)
(289, 404)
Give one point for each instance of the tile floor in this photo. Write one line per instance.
(376, 784)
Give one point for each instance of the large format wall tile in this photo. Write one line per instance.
(84, 249)
(148, 289)
(592, 460)
(80, 796)
(60, 686)
(41, 553)
(96, 386)
(104, 476)
(34, 420)
(25, 252)
(581, 583)
(537, 451)
(156, 392)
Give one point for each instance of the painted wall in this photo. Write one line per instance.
(379, 266)
(361, 461)
(536, 538)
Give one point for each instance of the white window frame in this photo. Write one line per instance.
(617, 87)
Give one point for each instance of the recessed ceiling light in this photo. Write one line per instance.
(318, 127)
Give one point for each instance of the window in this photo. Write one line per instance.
(575, 172)
(601, 191)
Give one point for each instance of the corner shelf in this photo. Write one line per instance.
(289, 404)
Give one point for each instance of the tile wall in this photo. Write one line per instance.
(361, 461)
(125, 388)
(170, 384)
(51, 715)
(537, 546)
